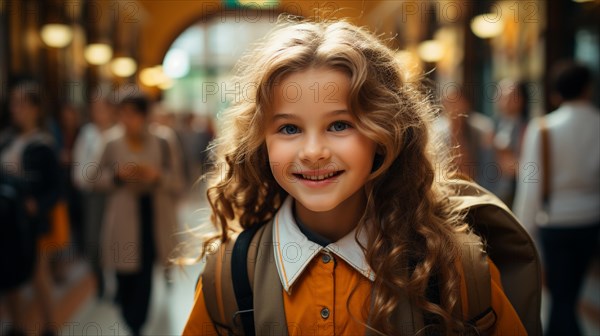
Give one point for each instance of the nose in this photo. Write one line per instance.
(314, 149)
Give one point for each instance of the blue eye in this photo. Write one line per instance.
(339, 126)
(289, 129)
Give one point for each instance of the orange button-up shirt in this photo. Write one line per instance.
(327, 290)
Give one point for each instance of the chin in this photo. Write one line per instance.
(317, 204)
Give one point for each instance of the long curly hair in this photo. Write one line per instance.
(411, 236)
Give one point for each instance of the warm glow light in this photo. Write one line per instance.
(153, 76)
(407, 58)
(431, 51)
(582, 1)
(98, 53)
(56, 35)
(167, 84)
(123, 66)
(487, 25)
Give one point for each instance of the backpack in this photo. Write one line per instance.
(17, 235)
(242, 274)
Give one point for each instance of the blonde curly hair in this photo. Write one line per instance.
(411, 236)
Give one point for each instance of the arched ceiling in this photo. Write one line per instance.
(165, 20)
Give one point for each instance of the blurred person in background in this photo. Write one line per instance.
(510, 123)
(568, 231)
(469, 134)
(164, 123)
(87, 151)
(141, 173)
(29, 159)
(69, 124)
(196, 134)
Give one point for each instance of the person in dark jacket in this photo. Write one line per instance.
(29, 159)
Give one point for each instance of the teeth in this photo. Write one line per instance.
(317, 177)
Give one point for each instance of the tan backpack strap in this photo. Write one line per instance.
(478, 282)
(217, 287)
(546, 172)
(409, 318)
(269, 314)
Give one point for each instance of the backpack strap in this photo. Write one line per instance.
(217, 287)
(241, 282)
(268, 291)
(480, 315)
(408, 319)
(243, 272)
(509, 246)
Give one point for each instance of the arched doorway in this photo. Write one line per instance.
(201, 59)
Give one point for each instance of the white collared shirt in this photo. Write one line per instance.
(293, 251)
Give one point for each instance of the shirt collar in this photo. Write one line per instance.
(293, 251)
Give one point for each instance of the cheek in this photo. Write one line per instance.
(362, 153)
(278, 157)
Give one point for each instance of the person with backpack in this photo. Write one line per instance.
(559, 191)
(29, 191)
(337, 212)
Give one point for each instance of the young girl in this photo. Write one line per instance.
(332, 146)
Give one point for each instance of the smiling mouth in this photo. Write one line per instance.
(320, 177)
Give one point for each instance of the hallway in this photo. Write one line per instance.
(169, 308)
(170, 304)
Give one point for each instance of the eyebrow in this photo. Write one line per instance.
(289, 116)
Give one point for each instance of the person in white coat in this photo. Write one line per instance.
(87, 151)
(568, 233)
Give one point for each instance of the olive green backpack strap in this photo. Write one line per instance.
(408, 319)
(480, 315)
(269, 314)
(217, 287)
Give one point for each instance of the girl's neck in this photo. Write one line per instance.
(336, 223)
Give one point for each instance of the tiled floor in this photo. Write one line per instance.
(169, 309)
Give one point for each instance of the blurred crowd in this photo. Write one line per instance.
(107, 191)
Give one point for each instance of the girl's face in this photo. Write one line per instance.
(315, 152)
